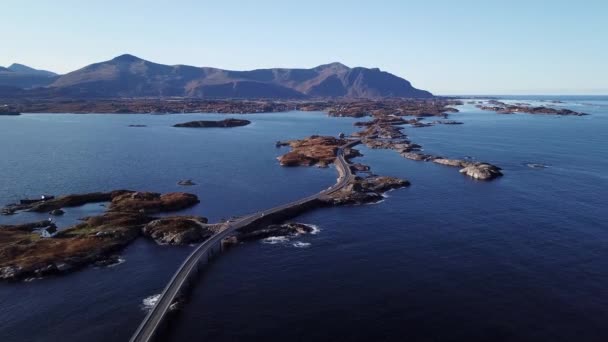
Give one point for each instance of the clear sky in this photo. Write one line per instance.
(447, 47)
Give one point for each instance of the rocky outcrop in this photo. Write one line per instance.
(365, 190)
(358, 167)
(286, 229)
(222, 123)
(419, 124)
(417, 156)
(151, 202)
(57, 212)
(186, 182)
(178, 230)
(447, 122)
(450, 162)
(481, 171)
(315, 150)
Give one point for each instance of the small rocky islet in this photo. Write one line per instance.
(226, 123)
(274, 230)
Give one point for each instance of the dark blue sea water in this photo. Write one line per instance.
(522, 258)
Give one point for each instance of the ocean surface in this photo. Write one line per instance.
(521, 258)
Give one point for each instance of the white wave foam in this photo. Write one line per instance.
(377, 202)
(149, 302)
(299, 244)
(118, 262)
(315, 229)
(29, 280)
(273, 240)
(536, 165)
(386, 194)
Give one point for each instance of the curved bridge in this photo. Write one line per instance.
(184, 276)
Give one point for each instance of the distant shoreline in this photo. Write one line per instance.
(355, 107)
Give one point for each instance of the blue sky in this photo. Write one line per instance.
(447, 47)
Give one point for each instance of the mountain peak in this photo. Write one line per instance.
(334, 66)
(126, 58)
(19, 66)
(24, 69)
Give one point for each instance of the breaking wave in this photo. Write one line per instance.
(118, 262)
(273, 240)
(315, 229)
(149, 302)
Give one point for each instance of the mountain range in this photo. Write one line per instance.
(130, 76)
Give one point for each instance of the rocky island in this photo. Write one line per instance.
(504, 108)
(314, 150)
(285, 229)
(231, 122)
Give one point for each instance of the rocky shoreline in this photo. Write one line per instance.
(25, 252)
